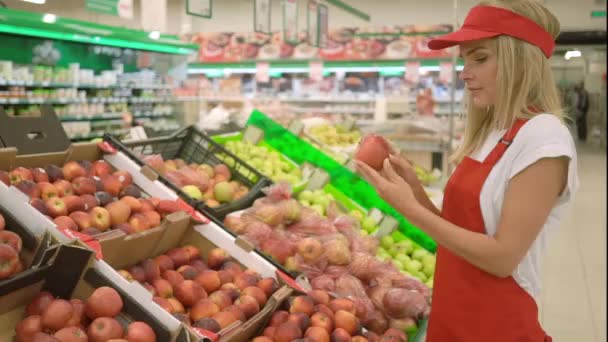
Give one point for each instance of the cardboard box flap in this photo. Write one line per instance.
(7, 157)
(34, 243)
(24, 279)
(136, 310)
(34, 134)
(68, 265)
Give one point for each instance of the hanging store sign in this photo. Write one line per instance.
(121, 8)
(200, 8)
(290, 21)
(312, 20)
(261, 16)
(323, 15)
(412, 72)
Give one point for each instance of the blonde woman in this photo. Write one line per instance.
(516, 175)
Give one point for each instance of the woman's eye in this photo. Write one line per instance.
(481, 59)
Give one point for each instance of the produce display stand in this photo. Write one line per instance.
(193, 146)
(341, 177)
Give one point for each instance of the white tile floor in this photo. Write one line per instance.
(573, 303)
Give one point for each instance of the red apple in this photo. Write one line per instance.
(287, 332)
(103, 302)
(153, 218)
(57, 314)
(179, 256)
(74, 203)
(224, 318)
(101, 168)
(133, 203)
(256, 293)
(8, 260)
(63, 187)
(340, 335)
(372, 150)
(2, 222)
(47, 190)
(278, 318)
(164, 263)
(56, 207)
(151, 270)
(138, 273)
(73, 170)
(173, 277)
(268, 285)
(304, 304)
(39, 303)
(124, 177)
(204, 308)
(28, 327)
(54, 172)
(20, 174)
(249, 305)
(163, 303)
(209, 280)
(83, 186)
(111, 185)
(100, 219)
(178, 307)
(119, 212)
(39, 175)
(140, 332)
(347, 321)
(221, 298)
(163, 288)
(103, 329)
(90, 202)
(40, 205)
(12, 239)
(166, 207)
(317, 334)
(188, 292)
(321, 320)
(29, 188)
(139, 223)
(83, 220)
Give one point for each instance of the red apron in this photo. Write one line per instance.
(470, 304)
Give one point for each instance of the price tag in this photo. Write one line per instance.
(376, 215)
(316, 71)
(290, 281)
(318, 179)
(307, 170)
(205, 334)
(88, 240)
(252, 134)
(262, 72)
(197, 216)
(296, 127)
(348, 124)
(107, 148)
(386, 226)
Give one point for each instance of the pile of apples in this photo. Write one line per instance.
(426, 177)
(267, 162)
(212, 184)
(93, 320)
(334, 135)
(207, 295)
(89, 197)
(317, 317)
(409, 258)
(10, 247)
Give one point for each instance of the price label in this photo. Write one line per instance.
(296, 127)
(307, 170)
(318, 179)
(205, 334)
(376, 215)
(290, 281)
(252, 134)
(387, 225)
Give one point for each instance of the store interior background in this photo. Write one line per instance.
(573, 307)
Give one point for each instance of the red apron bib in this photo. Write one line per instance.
(470, 304)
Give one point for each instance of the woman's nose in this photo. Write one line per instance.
(465, 75)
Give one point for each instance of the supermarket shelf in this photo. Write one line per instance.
(333, 110)
(82, 86)
(33, 101)
(286, 99)
(110, 116)
(95, 135)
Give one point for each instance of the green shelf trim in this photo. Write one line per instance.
(33, 24)
(349, 9)
(342, 178)
(299, 64)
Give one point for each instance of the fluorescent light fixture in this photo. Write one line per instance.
(572, 54)
(154, 35)
(38, 2)
(49, 18)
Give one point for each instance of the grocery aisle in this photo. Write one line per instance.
(574, 279)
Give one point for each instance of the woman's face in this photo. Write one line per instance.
(479, 73)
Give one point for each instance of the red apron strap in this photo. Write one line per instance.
(504, 143)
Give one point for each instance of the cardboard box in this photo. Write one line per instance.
(16, 201)
(35, 240)
(180, 230)
(72, 272)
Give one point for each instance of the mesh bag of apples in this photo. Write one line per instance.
(336, 258)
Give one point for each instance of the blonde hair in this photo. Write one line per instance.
(524, 80)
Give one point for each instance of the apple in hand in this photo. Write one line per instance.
(373, 150)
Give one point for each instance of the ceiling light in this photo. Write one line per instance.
(154, 35)
(38, 2)
(572, 54)
(49, 18)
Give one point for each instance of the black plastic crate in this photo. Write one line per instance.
(193, 146)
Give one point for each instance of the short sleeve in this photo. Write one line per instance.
(545, 136)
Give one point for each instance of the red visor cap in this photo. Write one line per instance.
(488, 22)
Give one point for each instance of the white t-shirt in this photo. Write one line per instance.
(542, 136)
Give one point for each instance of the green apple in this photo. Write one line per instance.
(319, 209)
(408, 246)
(418, 254)
(428, 259)
(403, 258)
(413, 266)
(387, 242)
(306, 195)
(364, 233)
(305, 203)
(421, 276)
(356, 214)
(322, 200)
(428, 269)
(193, 192)
(398, 265)
(368, 223)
